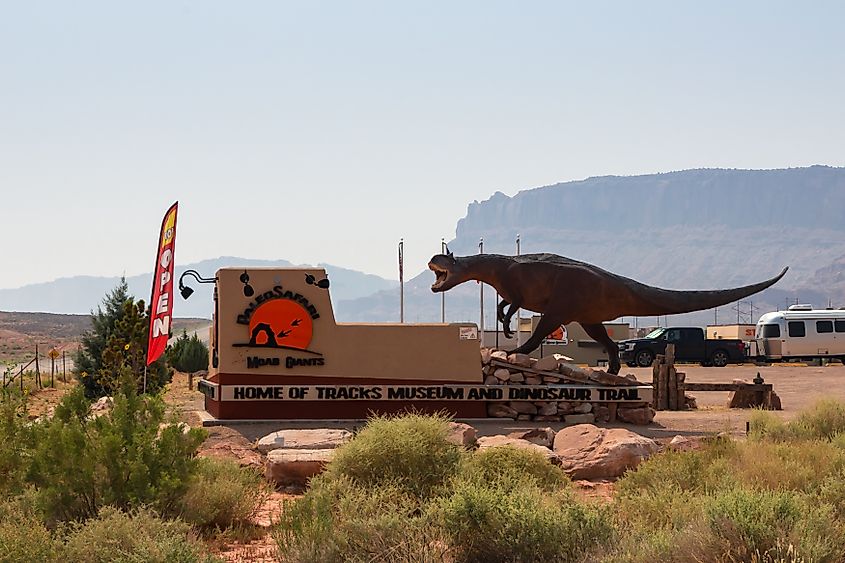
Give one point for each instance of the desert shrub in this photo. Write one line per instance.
(338, 520)
(15, 440)
(122, 458)
(188, 354)
(825, 420)
(489, 524)
(751, 521)
(23, 536)
(222, 494)
(508, 467)
(139, 536)
(411, 451)
(708, 469)
(801, 465)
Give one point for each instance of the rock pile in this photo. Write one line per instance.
(499, 368)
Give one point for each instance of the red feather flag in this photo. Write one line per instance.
(161, 302)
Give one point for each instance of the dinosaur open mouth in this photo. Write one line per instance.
(441, 274)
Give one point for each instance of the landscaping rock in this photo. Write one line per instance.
(517, 377)
(500, 410)
(523, 417)
(533, 380)
(499, 355)
(499, 441)
(582, 408)
(491, 380)
(565, 407)
(295, 467)
(502, 374)
(486, 354)
(548, 409)
(305, 439)
(462, 435)
(541, 436)
(638, 415)
(522, 360)
(226, 443)
(579, 418)
(588, 452)
(523, 407)
(552, 362)
(602, 413)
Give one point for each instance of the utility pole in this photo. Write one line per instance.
(443, 293)
(401, 281)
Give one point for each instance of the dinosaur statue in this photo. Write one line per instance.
(565, 290)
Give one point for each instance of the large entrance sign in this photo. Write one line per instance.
(281, 355)
(275, 334)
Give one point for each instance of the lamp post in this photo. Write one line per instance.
(518, 311)
(188, 291)
(481, 292)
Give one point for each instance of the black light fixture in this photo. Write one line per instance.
(248, 291)
(188, 291)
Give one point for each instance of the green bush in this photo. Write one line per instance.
(489, 524)
(118, 342)
(338, 521)
(188, 354)
(508, 467)
(411, 451)
(122, 458)
(222, 494)
(139, 536)
(15, 441)
(23, 536)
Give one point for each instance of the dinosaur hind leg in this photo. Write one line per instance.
(500, 311)
(506, 320)
(598, 333)
(545, 327)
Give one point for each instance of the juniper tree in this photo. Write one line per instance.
(118, 340)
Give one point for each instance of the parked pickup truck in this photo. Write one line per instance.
(690, 346)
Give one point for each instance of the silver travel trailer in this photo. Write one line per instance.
(801, 332)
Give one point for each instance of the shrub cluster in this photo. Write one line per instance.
(187, 354)
(123, 486)
(401, 492)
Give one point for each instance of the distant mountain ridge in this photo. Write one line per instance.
(82, 294)
(693, 229)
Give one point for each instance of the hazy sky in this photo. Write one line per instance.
(325, 131)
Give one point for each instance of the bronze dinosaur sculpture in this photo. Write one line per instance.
(565, 290)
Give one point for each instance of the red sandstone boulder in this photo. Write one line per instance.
(295, 467)
(501, 441)
(540, 436)
(588, 452)
(462, 435)
(638, 415)
(500, 410)
(304, 439)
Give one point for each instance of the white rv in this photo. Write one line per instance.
(801, 332)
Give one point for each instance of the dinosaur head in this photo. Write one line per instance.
(449, 272)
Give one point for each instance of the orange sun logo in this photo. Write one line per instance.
(281, 323)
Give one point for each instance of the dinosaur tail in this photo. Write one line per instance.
(653, 301)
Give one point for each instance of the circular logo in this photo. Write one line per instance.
(281, 323)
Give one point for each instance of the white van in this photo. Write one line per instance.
(801, 332)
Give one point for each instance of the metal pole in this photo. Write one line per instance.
(145, 378)
(518, 311)
(401, 282)
(481, 291)
(443, 294)
(64, 372)
(37, 369)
